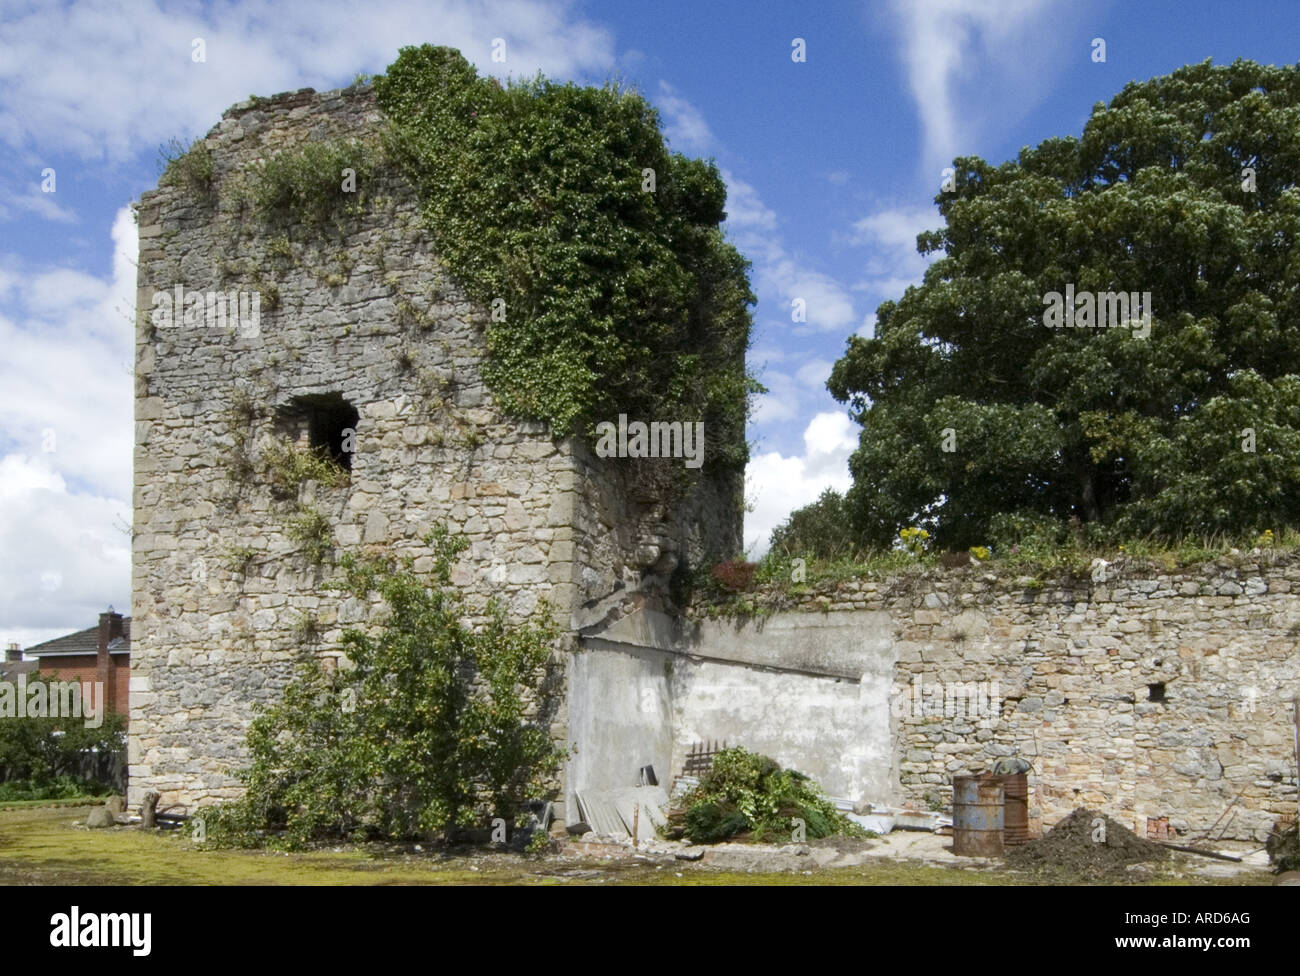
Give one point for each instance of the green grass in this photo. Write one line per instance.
(41, 845)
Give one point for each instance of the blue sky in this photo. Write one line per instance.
(832, 166)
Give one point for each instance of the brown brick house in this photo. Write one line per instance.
(100, 653)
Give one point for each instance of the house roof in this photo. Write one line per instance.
(82, 642)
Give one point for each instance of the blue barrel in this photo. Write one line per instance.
(977, 815)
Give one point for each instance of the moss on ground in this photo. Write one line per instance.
(41, 845)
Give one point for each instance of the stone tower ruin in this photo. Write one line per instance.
(359, 343)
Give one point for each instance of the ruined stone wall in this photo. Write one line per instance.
(225, 598)
(638, 521)
(1148, 695)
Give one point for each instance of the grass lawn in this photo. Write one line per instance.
(40, 845)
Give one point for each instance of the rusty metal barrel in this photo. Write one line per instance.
(977, 815)
(1015, 807)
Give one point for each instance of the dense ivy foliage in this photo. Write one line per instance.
(426, 730)
(745, 791)
(1185, 186)
(611, 298)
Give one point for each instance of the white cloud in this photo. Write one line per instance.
(759, 355)
(892, 263)
(827, 304)
(779, 402)
(779, 277)
(30, 200)
(107, 78)
(896, 227)
(777, 485)
(958, 54)
(814, 373)
(745, 211)
(683, 123)
(70, 558)
(65, 477)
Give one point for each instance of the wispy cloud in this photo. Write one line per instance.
(892, 263)
(746, 213)
(29, 200)
(781, 278)
(684, 124)
(955, 52)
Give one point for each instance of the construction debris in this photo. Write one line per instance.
(620, 813)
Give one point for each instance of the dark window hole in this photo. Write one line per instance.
(322, 421)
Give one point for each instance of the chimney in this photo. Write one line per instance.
(13, 653)
(110, 627)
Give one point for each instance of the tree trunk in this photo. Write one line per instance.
(149, 812)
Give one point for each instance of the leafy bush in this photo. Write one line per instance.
(746, 791)
(49, 753)
(60, 788)
(187, 167)
(709, 822)
(311, 528)
(288, 467)
(822, 530)
(305, 185)
(426, 731)
(735, 576)
(626, 299)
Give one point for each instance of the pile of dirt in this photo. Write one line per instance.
(1087, 844)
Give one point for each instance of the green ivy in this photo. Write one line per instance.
(427, 731)
(610, 299)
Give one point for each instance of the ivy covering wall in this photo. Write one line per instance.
(599, 251)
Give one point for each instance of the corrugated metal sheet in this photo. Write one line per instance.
(610, 813)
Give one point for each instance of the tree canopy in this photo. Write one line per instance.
(976, 414)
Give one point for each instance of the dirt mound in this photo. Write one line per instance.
(1078, 845)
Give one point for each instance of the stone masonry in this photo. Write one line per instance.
(360, 322)
(1149, 695)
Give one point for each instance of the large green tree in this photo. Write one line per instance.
(974, 409)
